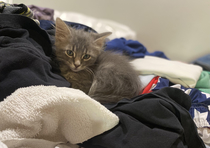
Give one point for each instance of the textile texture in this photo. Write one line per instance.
(158, 119)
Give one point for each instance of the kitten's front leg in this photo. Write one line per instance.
(80, 86)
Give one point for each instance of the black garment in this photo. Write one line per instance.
(22, 9)
(156, 120)
(25, 51)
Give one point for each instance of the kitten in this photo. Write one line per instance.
(103, 75)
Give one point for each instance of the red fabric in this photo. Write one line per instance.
(151, 84)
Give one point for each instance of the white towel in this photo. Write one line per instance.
(177, 72)
(55, 114)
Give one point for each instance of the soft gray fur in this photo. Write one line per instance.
(104, 76)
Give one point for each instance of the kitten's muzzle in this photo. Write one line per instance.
(77, 63)
(76, 68)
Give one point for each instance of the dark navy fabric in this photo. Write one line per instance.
(204, 62)
(131, 48)
(155, 120)
(25, 51)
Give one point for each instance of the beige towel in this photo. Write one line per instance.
(54, 114)
(177, 72)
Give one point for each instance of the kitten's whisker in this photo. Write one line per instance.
(53, 25)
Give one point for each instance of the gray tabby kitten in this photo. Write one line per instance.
(104, 76)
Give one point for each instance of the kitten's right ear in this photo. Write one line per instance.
(62, 32)
(99, 41)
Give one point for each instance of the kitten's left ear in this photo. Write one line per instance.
(62, 32)
(99, 41)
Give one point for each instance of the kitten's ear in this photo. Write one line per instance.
(62, 32)
(99, 41)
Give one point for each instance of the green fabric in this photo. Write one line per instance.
(203, 83)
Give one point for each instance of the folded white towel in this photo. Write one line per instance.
(177, 72)
(52, 113)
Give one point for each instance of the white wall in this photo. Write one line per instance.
(179, 28)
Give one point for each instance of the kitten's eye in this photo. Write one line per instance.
(86, 57)
(70, 53)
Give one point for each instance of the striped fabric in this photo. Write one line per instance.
(21, 9)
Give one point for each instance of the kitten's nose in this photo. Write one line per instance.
(77, 64)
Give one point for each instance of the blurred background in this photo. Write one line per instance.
(179, 28)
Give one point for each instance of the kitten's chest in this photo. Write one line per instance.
(79, 80)
(78, 76)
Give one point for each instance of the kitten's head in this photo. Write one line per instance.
(77, 49)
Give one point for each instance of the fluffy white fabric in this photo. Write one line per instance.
(177, 72)
(55, 114)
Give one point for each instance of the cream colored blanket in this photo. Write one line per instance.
(177, 72)
(46, 116)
